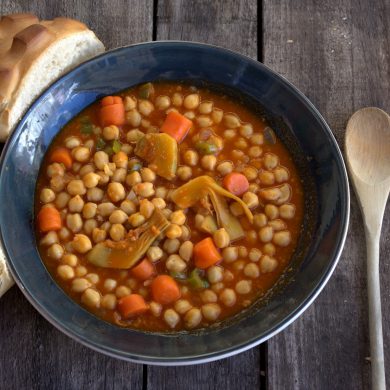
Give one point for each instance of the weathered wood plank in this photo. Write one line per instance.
(337, 53)
(33, 353)
(232, 24)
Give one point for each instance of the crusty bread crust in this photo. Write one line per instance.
(24, 41)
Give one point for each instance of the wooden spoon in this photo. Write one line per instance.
(367, 147)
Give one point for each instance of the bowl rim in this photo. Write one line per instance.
(236, 349)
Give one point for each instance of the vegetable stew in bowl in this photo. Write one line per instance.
(167, 207)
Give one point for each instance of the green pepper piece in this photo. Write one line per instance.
(100, 144)
(116, 146)
(195, 280)
(108, 150)
(179, 275)
(86, 128)
(145, 91)
(206, 148)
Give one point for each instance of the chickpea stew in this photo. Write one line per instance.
(167, 207)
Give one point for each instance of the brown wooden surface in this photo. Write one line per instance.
(337, 52)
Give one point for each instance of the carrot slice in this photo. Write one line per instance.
(176, 125)
(144, 270)
(62, 155)
(206, 254)
(49, 218)
(165, 290)
(112, 111)
(236, 183)
(132, 305)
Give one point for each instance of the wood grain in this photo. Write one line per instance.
(337, 53)
(232, 24)
(33, 354)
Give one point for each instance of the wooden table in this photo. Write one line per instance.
(338, 53)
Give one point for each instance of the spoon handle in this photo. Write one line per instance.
(375, 313)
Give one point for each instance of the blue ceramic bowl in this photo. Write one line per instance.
(296, 121)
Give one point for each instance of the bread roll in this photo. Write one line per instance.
(32, 55)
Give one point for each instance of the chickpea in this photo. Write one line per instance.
(171, 318)
(136, 219)
(238, 265)
(182, 306)
(287, 211)
(93, 278)
(208, 296)
(257, 139)
(229, 134)
(155, 308)
(89, 225)
(267, 264)
(100, 159)
(211, 311)
(203, 121)
(267, 178)
(90, 298)
(89, 210)
(225, 168)
(269, 249)
(255, 151)
(47, 195)
(236, 209)
(117, 232)
(232, 121)
(191, 101)
(162, 102)
(57, 183)
(133, 178)
(145, 107)
(208, 162)
(173, 231)
(241, 143)
(282, 238)
(271, 161)
(242, 251)
(105, 209)
(98, 235)
(76, 187)
(110, 132)
(81, 153)
(254, 254)
(186, 250)
(184, 173)
(154, 253)
(175, 263)
(221, 238)
(217, 115)
(91, 180)
(64, 233)
(177, 99)
(49, 239)
(144, 189)
(243, 287)
(214, 274)
(128, 207)
(108, 301)
(70, 259)
(80, 284)
(266, 234)
(148, 175)
(76, 204)
(190, 115)
(110, 284)
(250, 199)
(277, 225)
(178, 217)
(192, 318)
(95, 194)
(122, 291)
(55, 169)
(251, 270)
(161, 192)
(206, 107)
(65, 272)
(270, 194)
(171, 245)
(81, 243)
(217, 287)
(72, 142)
(62, 200)
(80, 271)
(74, 222)
(118, 217)
(228, 276)
(228, 297)
(116, 192)
(246, 130)
(260, 220)
(230, 254)
(281, 174)
(271, 211)
(119, 175)
(191, 157)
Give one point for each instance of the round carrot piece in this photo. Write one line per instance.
(49, 218)
(236, 183)
(62, 156)
(132, 305)
(144, 270)
(165, 290)
(113, 114)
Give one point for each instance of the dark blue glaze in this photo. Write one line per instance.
(117, 70)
